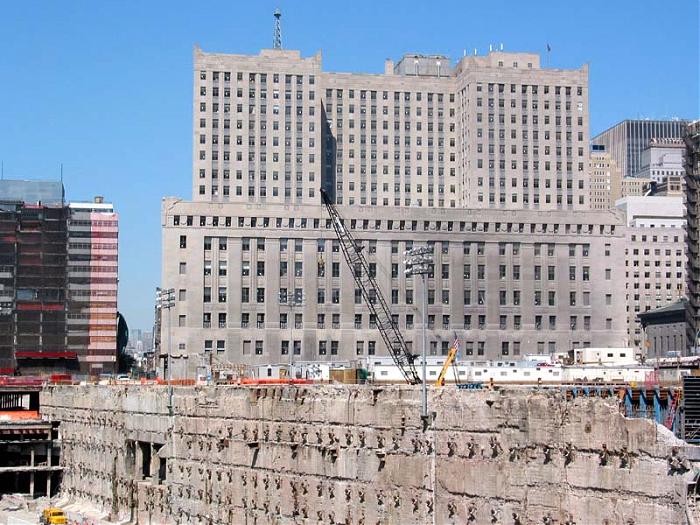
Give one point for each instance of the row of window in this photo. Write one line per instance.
(257, 347)
(480, 297)
(392, 225)
(505, 322)
(299, 126)
(262, 93)
(504, 248)
(503, 272)
(216, 76)
(526, 166)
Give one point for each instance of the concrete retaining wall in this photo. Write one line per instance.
(357, 454)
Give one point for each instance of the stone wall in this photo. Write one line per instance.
(358, 454)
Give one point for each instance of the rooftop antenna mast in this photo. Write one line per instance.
(277, 38)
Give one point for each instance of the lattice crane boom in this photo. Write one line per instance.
(372, 295)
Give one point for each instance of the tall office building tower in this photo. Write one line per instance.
(486, 160)
(58, 271)
(33, 252)
(692, 199)
(93, 231)
(627, 140)
(495, 131)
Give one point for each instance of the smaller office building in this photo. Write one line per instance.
(664, 330)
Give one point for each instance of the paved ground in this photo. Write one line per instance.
(17, 510)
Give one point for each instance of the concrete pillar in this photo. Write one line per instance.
(155, 464)
(138, 462)
(31, 474)
(49, 452)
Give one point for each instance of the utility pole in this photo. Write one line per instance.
(165, 299)
(418, 262)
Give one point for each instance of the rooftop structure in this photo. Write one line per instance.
(664, 330)
(48, 193)
(653, 211)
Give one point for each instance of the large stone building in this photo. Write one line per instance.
(692, 198)
(486, 159)
(627, 140)
(262, 284)
(494, 131)
(655, 258)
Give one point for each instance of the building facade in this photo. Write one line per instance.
(486, 159)
(495, 131)
(33, 253)
(655, 258)
(605, 179)
(661, 159)
(627, 140)
(93, 234)
(692, 201)
(59, 282)
(635, 187)
(268, 284)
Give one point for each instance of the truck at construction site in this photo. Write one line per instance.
(53, 516)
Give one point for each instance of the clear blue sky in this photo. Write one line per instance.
(105, 86)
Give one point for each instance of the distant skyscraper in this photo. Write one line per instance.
(34, 192)
(626, 141)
